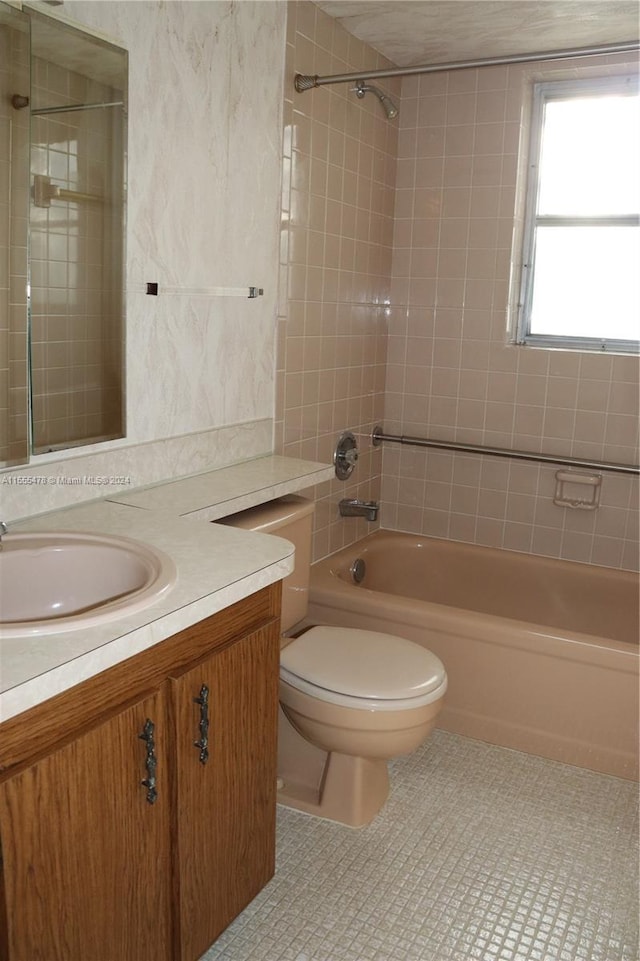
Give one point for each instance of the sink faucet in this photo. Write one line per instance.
(351, 507)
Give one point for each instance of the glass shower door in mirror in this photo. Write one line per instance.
(78, 132)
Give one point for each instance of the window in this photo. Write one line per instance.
(580, 278)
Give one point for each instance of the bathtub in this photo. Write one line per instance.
(542, 655)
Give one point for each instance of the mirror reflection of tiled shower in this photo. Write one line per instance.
(78, 87)
(14, 200)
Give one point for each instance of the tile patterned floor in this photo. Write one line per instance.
(480, 854)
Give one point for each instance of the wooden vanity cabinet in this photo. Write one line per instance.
(225, 812)
(91, 868)
(86, 858)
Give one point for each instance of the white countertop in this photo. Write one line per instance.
(216, 565)
(218, 493)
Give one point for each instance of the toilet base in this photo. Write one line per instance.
(352, 790)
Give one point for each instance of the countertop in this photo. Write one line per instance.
(218, 493)
(216, 565)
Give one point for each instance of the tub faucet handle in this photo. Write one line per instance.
(345, 457)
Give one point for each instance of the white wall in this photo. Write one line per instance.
(205, 120)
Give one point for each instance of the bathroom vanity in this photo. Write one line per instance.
(138, 787)
(130, 828)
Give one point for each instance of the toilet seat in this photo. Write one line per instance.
(366, 670)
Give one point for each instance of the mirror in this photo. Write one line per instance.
(14, 219)
(64, 92)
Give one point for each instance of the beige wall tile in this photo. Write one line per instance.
(342, 184)
(456, 201)
(425, 211)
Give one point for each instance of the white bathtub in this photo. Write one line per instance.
(542, 655)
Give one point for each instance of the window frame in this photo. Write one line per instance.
(543, 92)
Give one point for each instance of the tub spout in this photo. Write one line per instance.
(355, 508)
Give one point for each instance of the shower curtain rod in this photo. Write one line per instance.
(378, 436)
(307, 82)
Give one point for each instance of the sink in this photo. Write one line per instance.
(52, 582)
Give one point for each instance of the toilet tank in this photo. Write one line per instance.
(290, 517)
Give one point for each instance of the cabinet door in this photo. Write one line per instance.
(225, 828)
(86, 856)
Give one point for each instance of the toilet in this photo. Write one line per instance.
(350, 699)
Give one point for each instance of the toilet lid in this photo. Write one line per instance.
(363, 663)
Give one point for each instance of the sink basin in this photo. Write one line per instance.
(66, 581)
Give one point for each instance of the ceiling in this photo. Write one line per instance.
(411, 32)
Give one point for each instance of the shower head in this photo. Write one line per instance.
(387, 103)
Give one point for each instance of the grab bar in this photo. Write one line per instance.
(378, 437)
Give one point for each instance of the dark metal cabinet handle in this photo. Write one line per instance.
(203, 742)
(151, 761)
